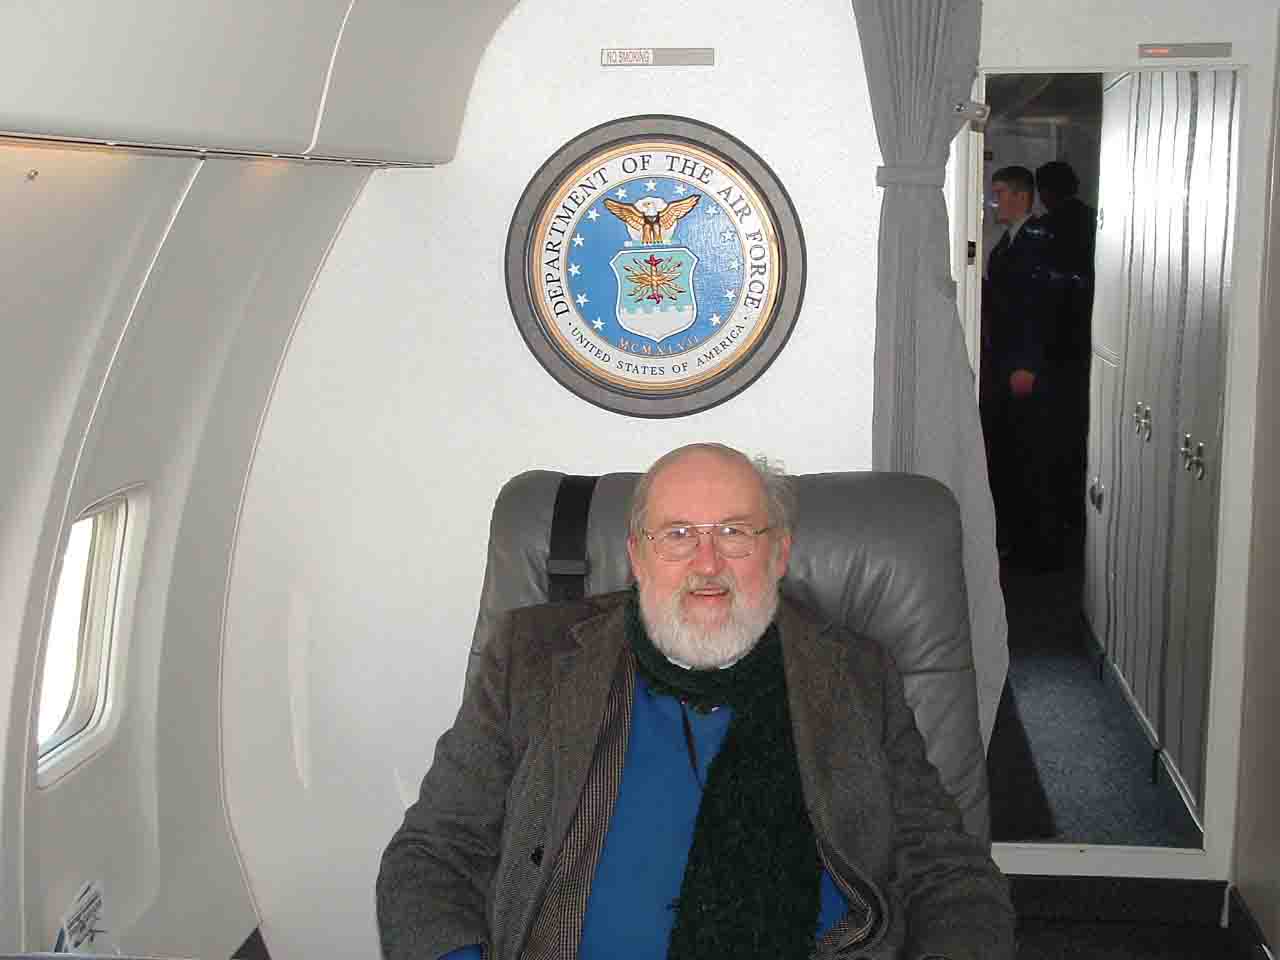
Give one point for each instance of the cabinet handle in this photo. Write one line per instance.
(1142, 421)
(1196, 463)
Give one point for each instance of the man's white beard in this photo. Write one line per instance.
(701, 646)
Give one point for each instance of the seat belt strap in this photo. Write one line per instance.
(567, 558)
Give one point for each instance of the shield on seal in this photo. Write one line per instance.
(655, 290)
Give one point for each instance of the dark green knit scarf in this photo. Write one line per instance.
(751, 885)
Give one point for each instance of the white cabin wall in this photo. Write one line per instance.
(1103, 36)
(408, 398)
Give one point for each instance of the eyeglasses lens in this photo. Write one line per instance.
(681, 543)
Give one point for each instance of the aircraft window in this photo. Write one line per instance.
(73, 683)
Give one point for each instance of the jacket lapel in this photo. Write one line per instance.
(583, 679)
(819, 705)
(836, 740)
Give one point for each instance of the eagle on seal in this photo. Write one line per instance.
(652, 219)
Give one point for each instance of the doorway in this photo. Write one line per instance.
(1099, 736)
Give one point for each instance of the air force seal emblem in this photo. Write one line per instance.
(655, 266)
(655, 293)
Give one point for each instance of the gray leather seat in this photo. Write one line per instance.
(877, 552)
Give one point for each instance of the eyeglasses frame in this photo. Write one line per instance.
(700, 529)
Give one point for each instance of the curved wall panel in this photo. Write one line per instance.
(82, 228)
(188, 316)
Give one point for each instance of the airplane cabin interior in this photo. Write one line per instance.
(319, 319)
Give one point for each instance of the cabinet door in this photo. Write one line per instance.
(1133, 540)
(1156, 287)
(1108, 327)
(1173, 99)
(1211, 207)
(1163, 287)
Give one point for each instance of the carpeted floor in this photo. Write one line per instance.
(1068, 761)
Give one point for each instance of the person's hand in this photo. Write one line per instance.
(1022, 382)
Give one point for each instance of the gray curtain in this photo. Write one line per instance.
(921, 57)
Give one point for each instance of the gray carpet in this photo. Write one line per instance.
(1068, 761)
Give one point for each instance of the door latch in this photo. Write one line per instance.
(1142, 421)
(1196, 463)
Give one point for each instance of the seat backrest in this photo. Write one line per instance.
(877, 552)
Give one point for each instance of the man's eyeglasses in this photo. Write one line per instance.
(733, 541)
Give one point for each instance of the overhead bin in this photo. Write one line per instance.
(401, 78)
(363, 80)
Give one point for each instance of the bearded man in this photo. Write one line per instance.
(696, 769)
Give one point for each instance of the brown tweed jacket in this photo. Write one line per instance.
(476, 854)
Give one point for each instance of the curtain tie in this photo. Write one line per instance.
(911, 175)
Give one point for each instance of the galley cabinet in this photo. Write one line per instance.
(1163, 264)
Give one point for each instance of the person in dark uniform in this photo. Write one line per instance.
(1073, 223)
(1020, 311)
(1073, 226)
